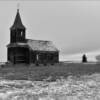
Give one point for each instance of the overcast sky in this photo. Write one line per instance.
(73, 26)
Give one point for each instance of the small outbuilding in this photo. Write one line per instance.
(84, 58)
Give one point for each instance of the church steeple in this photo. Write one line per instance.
(17, 23)
(17, 30)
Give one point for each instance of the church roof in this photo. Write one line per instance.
(36, 45)
(17, 23)
(40, 45)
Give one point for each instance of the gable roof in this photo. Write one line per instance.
(35, 45)
(40, 45)
(17, 23)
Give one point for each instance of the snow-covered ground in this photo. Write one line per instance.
(85, 87)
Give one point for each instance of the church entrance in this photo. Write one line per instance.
(21, 55)
(18, 55)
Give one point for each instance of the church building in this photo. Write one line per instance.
(23, 50)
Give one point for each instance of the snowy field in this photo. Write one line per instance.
(72, 88)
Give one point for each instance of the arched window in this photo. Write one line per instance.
(37, 57)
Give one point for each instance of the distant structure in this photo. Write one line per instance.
(84, 58)
(22, 50)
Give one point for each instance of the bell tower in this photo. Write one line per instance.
(17, 30)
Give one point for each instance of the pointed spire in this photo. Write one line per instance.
(17, 23)
(17, 10)
(18, 6)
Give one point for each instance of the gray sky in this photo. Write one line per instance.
(73, 26)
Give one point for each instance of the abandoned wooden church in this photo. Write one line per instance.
(22, 50)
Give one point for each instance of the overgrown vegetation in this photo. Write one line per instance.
(40, 72)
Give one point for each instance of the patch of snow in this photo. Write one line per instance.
(85, 87)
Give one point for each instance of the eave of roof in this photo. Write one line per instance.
(17, 45)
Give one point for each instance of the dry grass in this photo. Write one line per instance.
(32, 72)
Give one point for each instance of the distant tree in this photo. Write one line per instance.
(84, 58)
(98, 58)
